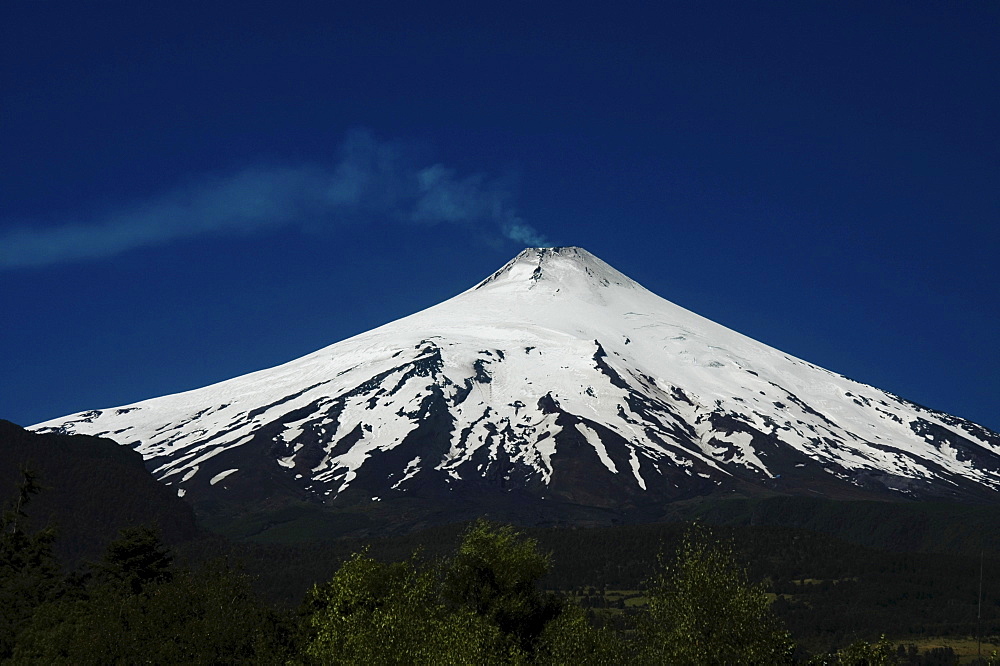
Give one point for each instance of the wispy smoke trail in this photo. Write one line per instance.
(371, 177)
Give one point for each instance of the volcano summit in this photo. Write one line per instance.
(555, 385)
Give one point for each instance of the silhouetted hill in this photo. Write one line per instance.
(92, 488)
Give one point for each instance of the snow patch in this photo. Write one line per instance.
(412, 468)
(634, 462)
(595, 441)
(221, 475)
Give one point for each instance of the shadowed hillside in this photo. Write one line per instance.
(92, 488)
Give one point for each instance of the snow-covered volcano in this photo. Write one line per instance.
(557, 379)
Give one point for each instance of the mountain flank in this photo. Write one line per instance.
(557, 391)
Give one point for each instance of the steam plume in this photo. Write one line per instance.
(370, 177)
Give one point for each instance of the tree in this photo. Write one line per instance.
(206, 616)
(481, 606)
(136, 559)
(703, 610)
(29, 573)
(495, 574)
(569, 638)
(377, 613)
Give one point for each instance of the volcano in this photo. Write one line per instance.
(557, 388)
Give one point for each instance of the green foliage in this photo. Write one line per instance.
(139, 608)
(495, 574)
(703, 610)
(207, 616)
(569, 638)
(136, 559)
(482, 606)
(481, 602)
(376, 613)
(29, 574)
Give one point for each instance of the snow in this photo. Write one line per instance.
(634, 463)
(595, 441)
(221, 475)
(412, 468)
(562, 304)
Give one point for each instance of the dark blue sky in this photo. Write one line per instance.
(191, 191)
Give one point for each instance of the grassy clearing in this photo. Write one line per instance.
(965, 648)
